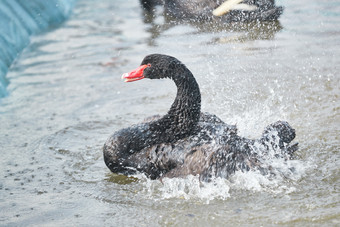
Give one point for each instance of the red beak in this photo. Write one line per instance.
(134, 75)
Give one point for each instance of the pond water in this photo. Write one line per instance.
(66, 97)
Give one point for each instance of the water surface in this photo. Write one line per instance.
(66, 97)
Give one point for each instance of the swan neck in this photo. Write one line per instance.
(183, 116)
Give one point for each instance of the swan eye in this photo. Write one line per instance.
(149, 65)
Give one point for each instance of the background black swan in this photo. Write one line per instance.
(212, 10)
(186, 141)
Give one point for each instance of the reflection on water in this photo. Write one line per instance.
(120, 179)
(159, 23)
(66, 98)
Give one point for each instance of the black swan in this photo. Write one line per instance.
(217, 10)
(186, 141)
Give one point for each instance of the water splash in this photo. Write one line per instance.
(187, 188)
(282, 180)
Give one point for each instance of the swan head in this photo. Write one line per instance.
(154, 66)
